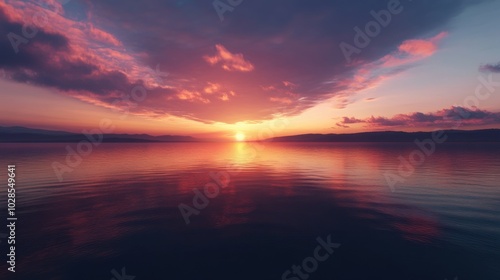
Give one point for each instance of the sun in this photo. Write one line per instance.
(240, 137)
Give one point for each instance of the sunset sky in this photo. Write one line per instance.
(196, 71)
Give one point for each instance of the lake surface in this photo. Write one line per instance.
(119, 209)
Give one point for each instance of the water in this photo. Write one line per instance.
(119, 208)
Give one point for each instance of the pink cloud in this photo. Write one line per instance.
(289, 84)
(102, 36)
(421, 48)
(212, 88)
(87, 42)
(225, 95)
(413, 50)
(282, 93)
(229, 61)
(191, 96)
(207, 94)
(217, 89)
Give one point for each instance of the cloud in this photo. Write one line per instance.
(347, 120)
(229, 61)
(280, 63)
(449, 117)
(191, 96)
(371, 74)
(289, 84)
(102, 36)
(492, 68)
(217, 89)
(422, 47)
(79, 61)
(413, 50)
(282, 100)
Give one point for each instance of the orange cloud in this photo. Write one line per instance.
(87, 42)
(215, 88)
(282, 100)
(225, 96)
(230, 62)
(191, 96)
(211, 88)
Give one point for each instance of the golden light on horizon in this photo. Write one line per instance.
(240, 137)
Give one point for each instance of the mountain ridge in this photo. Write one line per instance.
(483, 135)
(19, 134)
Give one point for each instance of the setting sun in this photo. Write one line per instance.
(239, 137)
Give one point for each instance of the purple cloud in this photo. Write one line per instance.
(491, 68)
(449, 117)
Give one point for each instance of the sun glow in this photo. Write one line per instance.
(240, 137)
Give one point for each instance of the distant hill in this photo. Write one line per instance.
(487, 135)
(25, 130)
(17, 134)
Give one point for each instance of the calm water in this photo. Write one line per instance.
(120, 209)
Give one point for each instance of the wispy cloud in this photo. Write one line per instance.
(371, 74)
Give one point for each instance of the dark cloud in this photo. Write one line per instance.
(347, 120)
(277, 34)
(30, 57)
(492, 68)
(450, 117)
(44, 60)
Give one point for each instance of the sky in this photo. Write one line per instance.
(213, 69)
